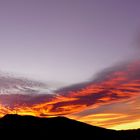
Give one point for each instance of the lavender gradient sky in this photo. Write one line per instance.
(66, 40)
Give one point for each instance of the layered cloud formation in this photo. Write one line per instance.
(101, 101)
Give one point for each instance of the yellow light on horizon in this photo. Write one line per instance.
(126, 126)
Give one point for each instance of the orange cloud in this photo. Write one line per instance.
(115, 85)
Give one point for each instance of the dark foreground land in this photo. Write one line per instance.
(28, 127)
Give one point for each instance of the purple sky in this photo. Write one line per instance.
(66, 41)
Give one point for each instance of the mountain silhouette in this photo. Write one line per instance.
(59, 128)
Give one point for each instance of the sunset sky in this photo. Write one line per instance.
(66, 41)
(88, 48)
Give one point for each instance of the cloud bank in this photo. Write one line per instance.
(114, 85)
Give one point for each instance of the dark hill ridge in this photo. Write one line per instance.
(25, 122)
(60, 127)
